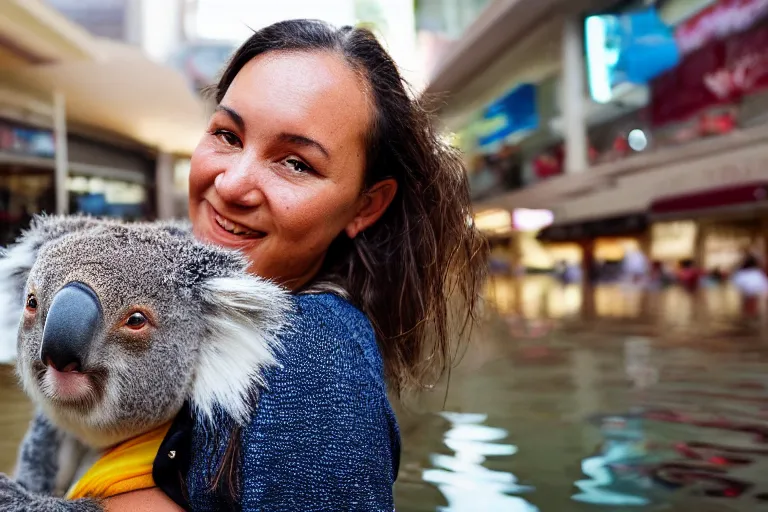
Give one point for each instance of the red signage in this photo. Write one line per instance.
(719, 73)
(724, 18)
(746, 65)
(682, 92)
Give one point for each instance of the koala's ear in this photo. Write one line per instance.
(243, 316)
(15, 264)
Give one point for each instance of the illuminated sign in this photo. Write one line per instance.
(512, 113)
(629, 48)
(524, 219)
(499, 221)
(718, 21)
(26, 141)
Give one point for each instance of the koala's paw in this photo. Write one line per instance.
(14, 498)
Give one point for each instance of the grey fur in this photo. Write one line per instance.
(38, 460)
(15, 498)
(215, 332)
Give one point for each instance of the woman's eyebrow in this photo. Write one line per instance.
(290, 138)
(301, 140)
(236, 118)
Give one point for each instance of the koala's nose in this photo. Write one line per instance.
(73, 319)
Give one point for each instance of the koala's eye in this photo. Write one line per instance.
(31, 302)
(136, 321)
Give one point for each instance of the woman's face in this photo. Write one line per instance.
(279, 173)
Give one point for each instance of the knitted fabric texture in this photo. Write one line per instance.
(324, 436)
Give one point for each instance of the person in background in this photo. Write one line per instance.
(659, 276)
(689, 275)
(751, 282)
(635, 266)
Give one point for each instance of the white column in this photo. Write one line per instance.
(573, 97)
(164, 186)
(61, 170)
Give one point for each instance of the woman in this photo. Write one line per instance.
(321, 169)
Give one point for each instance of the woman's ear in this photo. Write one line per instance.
(373, 203)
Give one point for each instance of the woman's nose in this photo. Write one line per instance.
(239, 186)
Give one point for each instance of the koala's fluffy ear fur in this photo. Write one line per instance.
(15, 264)
(243, 316)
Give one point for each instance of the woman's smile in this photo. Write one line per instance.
(280, 173)
(221, 230)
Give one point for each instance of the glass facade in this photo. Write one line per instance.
(658, 74)
(101, 197)
(448, 17)
(105, 179)
(26, 176)
(24, 191)
(710, 77)
(103, 18)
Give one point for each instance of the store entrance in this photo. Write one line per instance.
(24, 191)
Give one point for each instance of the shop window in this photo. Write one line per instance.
(101, 197)
(23, 193)
(673, 241)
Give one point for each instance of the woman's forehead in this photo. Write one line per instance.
(316, 91)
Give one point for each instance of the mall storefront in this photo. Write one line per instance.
(105, 178)
(693, 154)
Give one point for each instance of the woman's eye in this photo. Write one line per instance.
(136, 321)
(31, 302)
(297, 165)
(227, 137)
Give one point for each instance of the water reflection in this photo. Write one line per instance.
(619, 399)
(463, 480)
(659, 402)
(610, 481)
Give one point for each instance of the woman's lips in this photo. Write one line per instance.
(233, 227)
(226, 231)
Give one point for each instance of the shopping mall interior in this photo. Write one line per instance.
(617, 158)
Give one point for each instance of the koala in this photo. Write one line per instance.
(115, 326)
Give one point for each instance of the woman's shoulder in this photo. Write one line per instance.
(328, 331)
(323, 426)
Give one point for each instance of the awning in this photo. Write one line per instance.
(720, 200)
(124, 93)
(624, 225)
(31, 32)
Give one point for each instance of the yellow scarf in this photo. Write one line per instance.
(126, 467)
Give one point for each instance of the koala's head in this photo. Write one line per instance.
(118, 324)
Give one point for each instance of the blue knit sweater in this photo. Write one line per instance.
(324, 436)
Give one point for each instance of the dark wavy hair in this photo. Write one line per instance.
(405, 271)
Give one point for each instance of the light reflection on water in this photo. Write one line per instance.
(463, 480)
(624, 445)
(619, 401)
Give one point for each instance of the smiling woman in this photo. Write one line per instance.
(320, 168)
(281, 172)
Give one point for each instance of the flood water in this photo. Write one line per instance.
(618, 401)
(612, 401)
